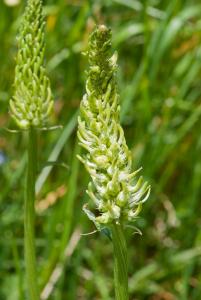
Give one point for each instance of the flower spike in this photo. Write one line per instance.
(114, 189)
(32, 100)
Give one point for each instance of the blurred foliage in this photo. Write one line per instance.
(159, 81)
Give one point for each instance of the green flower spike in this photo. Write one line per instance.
(117, 194)
(32, 101)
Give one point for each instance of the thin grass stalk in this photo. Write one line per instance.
(120, 262)
(29, 217)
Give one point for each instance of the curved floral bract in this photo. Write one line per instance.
(32, 100)
(114, 189)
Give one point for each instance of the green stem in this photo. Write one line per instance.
(120, 262)
(29, 217)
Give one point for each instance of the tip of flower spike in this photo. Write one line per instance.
(102, 32)
(102, 28)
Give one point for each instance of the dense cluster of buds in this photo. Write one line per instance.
(32, 100)
(114, 189)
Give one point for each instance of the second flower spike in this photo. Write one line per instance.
(32, 100)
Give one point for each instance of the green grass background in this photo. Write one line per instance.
(159, 77)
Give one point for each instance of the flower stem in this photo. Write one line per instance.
(29, 217)
(120, 262)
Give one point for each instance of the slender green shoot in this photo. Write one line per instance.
(120, 262)
(29, 216)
